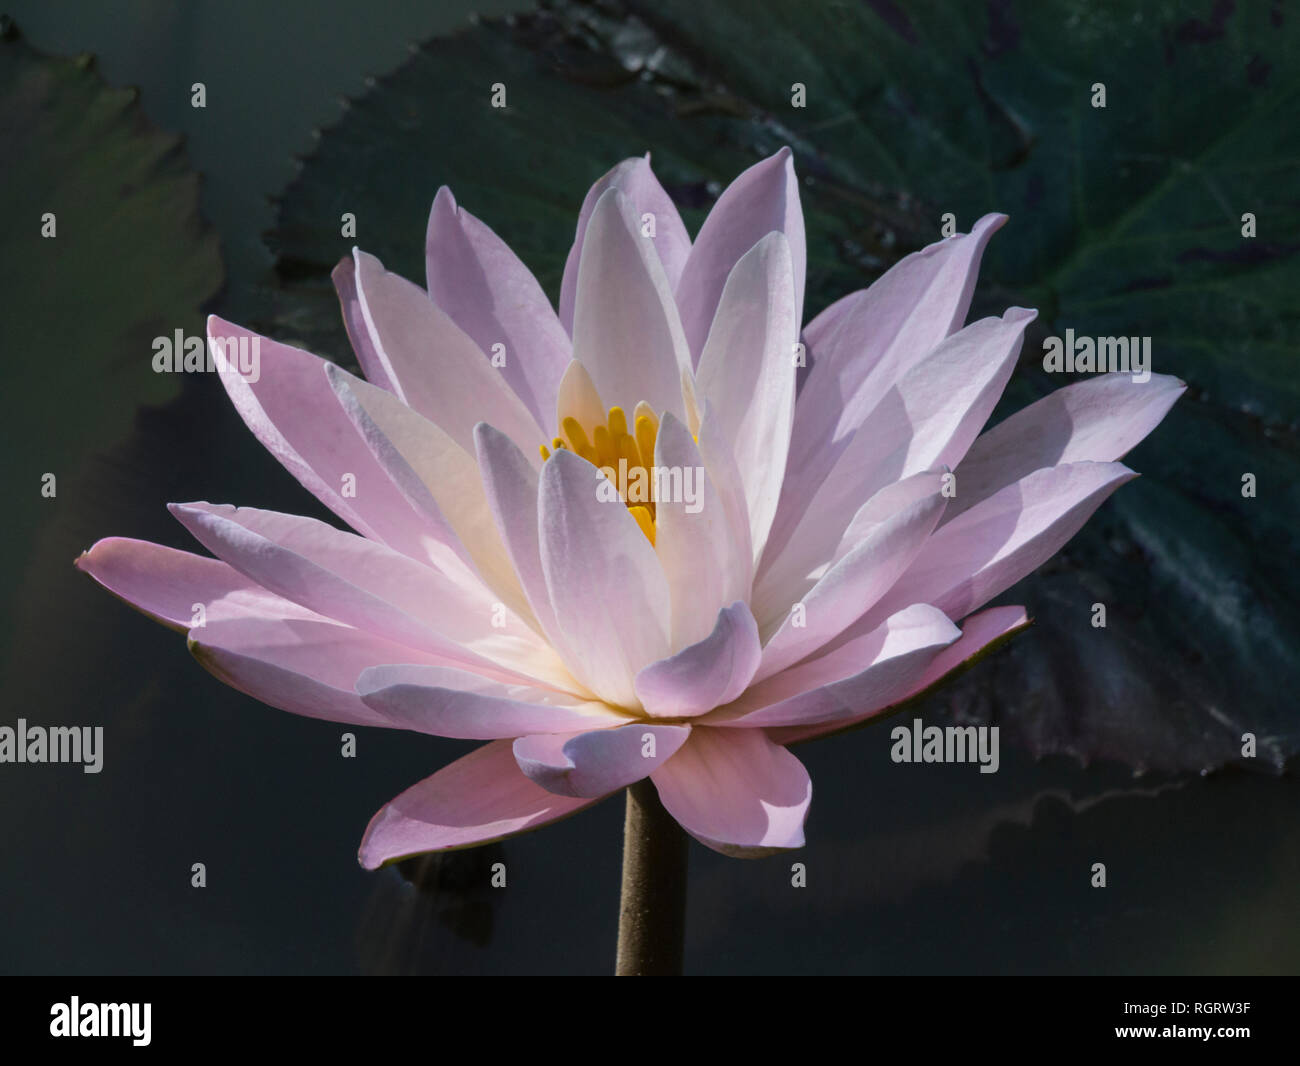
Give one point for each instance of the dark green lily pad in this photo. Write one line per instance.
(130, 261)
(1126, 220)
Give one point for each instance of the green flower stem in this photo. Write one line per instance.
(652, 905)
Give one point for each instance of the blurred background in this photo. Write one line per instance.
(1120, 745)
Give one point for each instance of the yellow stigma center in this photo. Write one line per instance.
(606, 444)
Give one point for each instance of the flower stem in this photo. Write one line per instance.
(652, 906)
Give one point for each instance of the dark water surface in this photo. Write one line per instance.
(910, 869)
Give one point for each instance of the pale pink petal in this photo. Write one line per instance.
(440, 543)
(609, 594)
(856, 678)
(986, 550)
(436, 367)
(724, 475)
(705, 675)
(442, 481)
(579, 398)
(298, 665)
(291, 409)
(479, 798)
(790, 578)
(888, 502)
(510, 485)
(860, 346)
(636, 181)
(599, 762)
(625, 327)
(353, 580)
(762, 199)
(1097, 420)
(863, 343)
(178, 588)
(344, 276)
(981, 633)
(853, 584)
(480, 283)
(252, 639)
(448, 702)
(942, 402)
(693, 539)
(736, 792)
(927, 419)
(747, 373)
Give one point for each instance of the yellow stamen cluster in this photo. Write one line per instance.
(612, 441)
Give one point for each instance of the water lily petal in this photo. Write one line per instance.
(626, 330)
(929, 418)
(449, 702)
(869, 672)
(705, 675)
(479, 798)
(481, 284)
(291, 410)
(598, 762)
(736, 792)
(747, 373)
(609, 594)
(694, 539)
(789, 579)
(441, 480)
(645, 196)
(170, 585)
(979, 632)
(579, 398)
(853, 584)
(344, 276)
(863, 343)
(353, 580)
(298, 665)
(990, 547)
(510, 484)
(434, 365)
(762, 199)
(724, 475)
(1097, 420)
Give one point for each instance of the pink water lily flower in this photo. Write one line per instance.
(807, 567)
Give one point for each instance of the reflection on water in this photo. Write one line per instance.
(453, 891)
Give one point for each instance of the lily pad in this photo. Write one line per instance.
(1127, 220)
(103, 250)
